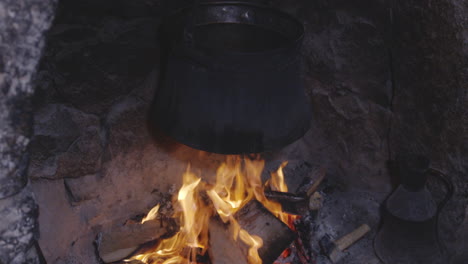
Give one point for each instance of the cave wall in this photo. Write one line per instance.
(95, 164)
(431, 98)
(347, 75)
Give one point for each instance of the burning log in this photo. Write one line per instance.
(258, 221)
(118, 243)
(252, 235)
(283, 197)
(223, 248)
(290, 203)
(276, 236)
(305, 198)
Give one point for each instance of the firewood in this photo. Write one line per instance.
(304, 198)
(223, 248)
(118, 243)
(283, 197)
(319, 176)
(290, 203)
(256, 220)
(276, 235)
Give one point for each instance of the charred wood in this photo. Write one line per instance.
(120, 242)
(258, 221)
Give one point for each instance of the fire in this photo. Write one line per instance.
(153, 213)
(238, 181)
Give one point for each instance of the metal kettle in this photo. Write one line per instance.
(409, 234)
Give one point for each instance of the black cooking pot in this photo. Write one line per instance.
(230, 78)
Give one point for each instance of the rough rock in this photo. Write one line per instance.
(66, 143)
(82, 189)
(125, 126)
(18, 227)
(107, 51)
(97, 63)
(431, 97)
(64, 226)
(346, 70)
(22, 27)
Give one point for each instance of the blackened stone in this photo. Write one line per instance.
(91, 63)
(431, 97)
(347, 75)
(126, 126)
(66, 144)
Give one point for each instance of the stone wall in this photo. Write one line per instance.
(431, 97)
(94, 162)
(347, 73)
(22, 27)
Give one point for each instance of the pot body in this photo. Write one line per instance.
(407, 235)
(231, 79)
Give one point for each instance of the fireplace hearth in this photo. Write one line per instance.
(81, 164)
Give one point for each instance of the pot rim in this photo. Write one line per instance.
(292, 43)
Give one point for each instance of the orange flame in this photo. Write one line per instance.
(237, 182)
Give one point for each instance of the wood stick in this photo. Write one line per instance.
(290, 203)
(349, 239)
(346, 241)
(321, 173)
(283, 197)
(118, 243)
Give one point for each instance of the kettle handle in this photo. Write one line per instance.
(448, 184)
(450, 190)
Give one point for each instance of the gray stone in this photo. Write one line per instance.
(30, 257)
(22, 27)
(22, 24)
(18, 227)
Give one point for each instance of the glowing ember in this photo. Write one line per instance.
(238, 181)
